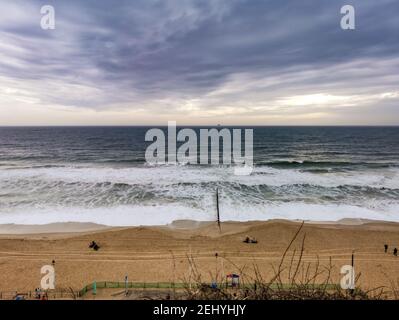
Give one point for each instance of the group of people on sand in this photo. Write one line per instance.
(40, 295)
(250, 240)
(395, 250)
(93, 245)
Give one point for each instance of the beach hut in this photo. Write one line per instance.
(232, 280)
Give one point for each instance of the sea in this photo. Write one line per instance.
(100, 175)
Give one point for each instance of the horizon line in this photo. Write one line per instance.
(198, 125)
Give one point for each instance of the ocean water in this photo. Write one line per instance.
(99, 174)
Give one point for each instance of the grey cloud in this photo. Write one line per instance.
(142, 51)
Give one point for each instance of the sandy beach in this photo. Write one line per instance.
(160, 254)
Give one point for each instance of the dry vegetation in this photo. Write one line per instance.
(293, 279)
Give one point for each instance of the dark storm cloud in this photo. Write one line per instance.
(136, 51)
(196, 47)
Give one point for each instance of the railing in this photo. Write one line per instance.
(150, 285)
(32, 295)
(70, 294)
(131, 285)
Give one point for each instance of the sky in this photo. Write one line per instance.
(229, 62)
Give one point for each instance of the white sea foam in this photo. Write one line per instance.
(160, 215)
(40, 195)
(166, 175)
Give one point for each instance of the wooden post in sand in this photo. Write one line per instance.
(217, 209)
(353, 267)
(190, 268)
(352, 291)
(126, 283)
(216, 268)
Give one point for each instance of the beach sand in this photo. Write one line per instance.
(160, 254)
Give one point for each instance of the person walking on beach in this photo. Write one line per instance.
(395, 252)
(386, 248)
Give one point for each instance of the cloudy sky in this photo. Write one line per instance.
(266, 62)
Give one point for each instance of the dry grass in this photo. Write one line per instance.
(293, 279)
